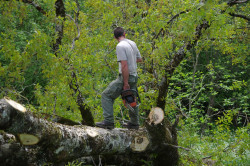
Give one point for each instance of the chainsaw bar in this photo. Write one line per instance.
(130, 108)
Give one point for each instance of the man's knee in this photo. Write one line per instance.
(104, 95)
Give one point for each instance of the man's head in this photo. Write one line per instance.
(118, 32)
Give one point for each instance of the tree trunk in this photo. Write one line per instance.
(62, 143)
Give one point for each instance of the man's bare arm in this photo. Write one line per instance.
(125, 75)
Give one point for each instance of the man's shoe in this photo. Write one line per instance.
(130, 126)
(105, 125)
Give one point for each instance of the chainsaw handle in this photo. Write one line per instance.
(132, 91)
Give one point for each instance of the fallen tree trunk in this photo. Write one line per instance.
(61, 143)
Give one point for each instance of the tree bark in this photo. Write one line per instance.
(62, 143)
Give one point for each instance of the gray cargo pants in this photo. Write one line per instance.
(112, 92)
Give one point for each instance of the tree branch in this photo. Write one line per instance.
(240, 16)
(60, 12)
(235, 2)
(85, 110)
(39, 8)
(170, 21)
(178, 57)
(174, 146)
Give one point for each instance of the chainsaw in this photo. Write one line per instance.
(131, 99)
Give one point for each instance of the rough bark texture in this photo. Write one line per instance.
(61, 143)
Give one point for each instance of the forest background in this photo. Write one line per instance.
(48, 59)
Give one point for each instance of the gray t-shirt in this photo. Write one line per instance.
(128, 51)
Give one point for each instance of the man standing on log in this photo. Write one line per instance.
(127, 55)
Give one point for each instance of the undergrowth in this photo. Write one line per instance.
(218, 146)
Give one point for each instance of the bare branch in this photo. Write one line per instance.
(70, 17)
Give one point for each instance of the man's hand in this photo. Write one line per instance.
(138, 60)
(126, 87)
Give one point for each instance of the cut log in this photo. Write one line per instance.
(63, 143)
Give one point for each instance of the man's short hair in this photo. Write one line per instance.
(118, 32)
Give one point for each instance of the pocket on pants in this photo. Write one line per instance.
(114, 89)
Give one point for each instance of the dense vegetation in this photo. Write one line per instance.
(208, 90)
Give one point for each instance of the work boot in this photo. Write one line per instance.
(130, 125)
(105, 125)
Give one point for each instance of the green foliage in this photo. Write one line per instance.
(210, 87)
(74, 163)
(220, 147)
